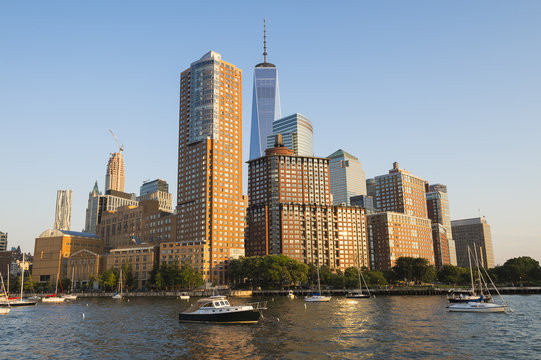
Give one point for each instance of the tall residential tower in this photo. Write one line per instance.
(62, 219)
(265, 104)
(210, 206)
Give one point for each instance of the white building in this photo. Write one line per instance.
(347, 177)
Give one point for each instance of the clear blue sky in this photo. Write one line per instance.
(449, 89)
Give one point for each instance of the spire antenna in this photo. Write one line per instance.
(264, 40)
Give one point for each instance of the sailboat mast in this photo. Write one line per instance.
(22, 278)
(471, 272)
(58, 272)
(9, 273)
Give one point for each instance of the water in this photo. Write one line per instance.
(402, 327)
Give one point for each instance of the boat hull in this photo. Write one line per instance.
(481, 308)
(357, 296)
(234, 317)
(317, 299)
(21, 303)
(52, 299)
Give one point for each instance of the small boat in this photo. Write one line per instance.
(290, 295)
(358, 294)
(55, 298)
(184, 296)
(119, 295)
(7, 309)
(216, 309)
(316, 296)
(481, 304)
(20, 301)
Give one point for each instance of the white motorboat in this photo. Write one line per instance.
(184, 296)
(316, 296)
(217, 309)
(53, 299)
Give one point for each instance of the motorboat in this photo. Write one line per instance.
(217, 309)
(184, 296)
(53, 299)
(4, 310)
(290, 295)
(357, 295)
(69, 297)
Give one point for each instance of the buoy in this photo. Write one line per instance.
(278, 319)
(272, 299)
(86, 304)
(305, 306)
(83, 315)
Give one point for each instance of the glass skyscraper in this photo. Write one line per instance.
(265, 105)
(347, 177)
(297, 133)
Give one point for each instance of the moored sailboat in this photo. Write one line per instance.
(55, 298)
(119, 295)
(20, 301)
(4, 310)
(316, 296)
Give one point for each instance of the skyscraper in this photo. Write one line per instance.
(347, 177)
(297, 133)
(475, 234)
(114, 178)
(265, 104)
(62, 219)
(209, 200)
(437, 203)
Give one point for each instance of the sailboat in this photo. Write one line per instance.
(70, 296)
(316, 296)
(55, 298)
(20, 301)
(5, 309)
(358, 294)
(479, 305)
(119, 294)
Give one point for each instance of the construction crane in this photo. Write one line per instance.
(121, 147)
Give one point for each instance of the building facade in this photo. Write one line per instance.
(3, 241)
(475, 234)
(400, 191)
(297, 133)
(265, 104)
(84, 267)
(437, 203)
(364, 201)
(209, 200)
(114, 176)
(392, 235)
(141, 259)
(290, 212)
(441, 245)
(157, 190)
(62, 219)
(53, 248)
(347, 177)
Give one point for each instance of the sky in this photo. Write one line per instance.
(449, 89)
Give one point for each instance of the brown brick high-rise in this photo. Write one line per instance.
(210, 205)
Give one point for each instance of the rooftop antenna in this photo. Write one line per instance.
(264, 40)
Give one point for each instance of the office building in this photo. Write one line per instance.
(62, 219)
(114, 177)
(392, 235)
(3, 241)
(364, 201)
(475, 234)
(265, 104)
(141, 257)
(399, 191)
(157, 190)
(437, 203)
(441, 245)
(209, 200)
(371, 188)
(290, 212)
(297, 134)
(347, 177)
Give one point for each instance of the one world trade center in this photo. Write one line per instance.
(265, 104)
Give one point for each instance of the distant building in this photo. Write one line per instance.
(475, 234)
(290, 212)
(371, 188)
(400, 191)
(265, 105)
(83, 267)
(364, 201)
(437, 203)
(140, 257)
(193, 253)
(62, 220)
(114, 176)
(392, 235)
(297, 133)
(441, 245)
(157, 190)
(130, 224)
(347, 177)
(53, 248)
(3, 241)
(98, 204)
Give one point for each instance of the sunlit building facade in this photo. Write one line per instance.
(114, 177)
(210, 207)
(475, 234)
(437, 203)
(297, 133)
(347, 176)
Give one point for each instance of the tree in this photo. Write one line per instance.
(414, 269)
(108, 279)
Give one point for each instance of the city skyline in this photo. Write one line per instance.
(461, 81)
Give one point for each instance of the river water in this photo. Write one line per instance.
(399, 327)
